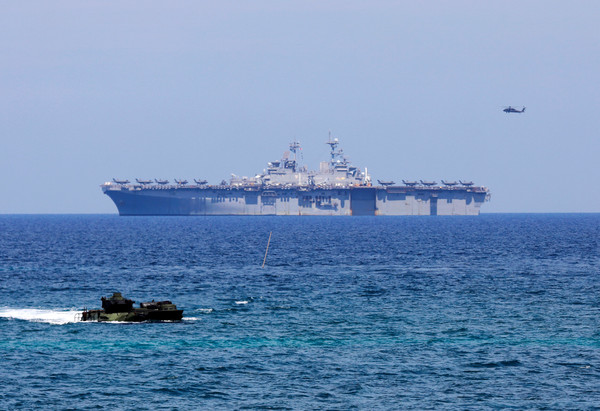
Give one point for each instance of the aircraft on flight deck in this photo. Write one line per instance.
(428, 183)
(386, 183)
(143, 182)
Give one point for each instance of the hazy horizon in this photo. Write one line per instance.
(93, 91)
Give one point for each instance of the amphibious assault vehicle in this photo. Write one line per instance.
(118, 308)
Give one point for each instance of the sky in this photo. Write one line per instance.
(95, 90)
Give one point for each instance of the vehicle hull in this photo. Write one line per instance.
(136, 315)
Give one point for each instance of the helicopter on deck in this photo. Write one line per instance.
(510, 109)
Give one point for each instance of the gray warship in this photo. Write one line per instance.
(285, 187)
(118, 308)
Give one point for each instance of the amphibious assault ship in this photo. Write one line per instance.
(287, 188)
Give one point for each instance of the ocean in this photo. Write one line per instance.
(495, 311)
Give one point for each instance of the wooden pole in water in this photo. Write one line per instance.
(267, 250)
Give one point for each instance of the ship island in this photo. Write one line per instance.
(285, 187)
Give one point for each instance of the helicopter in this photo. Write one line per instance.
(510, 109)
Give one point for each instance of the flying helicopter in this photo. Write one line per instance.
(510, 109)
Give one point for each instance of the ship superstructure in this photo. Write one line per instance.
(287, 188)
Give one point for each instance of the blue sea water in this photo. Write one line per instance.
(495, 311)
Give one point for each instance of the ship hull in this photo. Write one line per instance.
(348, 201)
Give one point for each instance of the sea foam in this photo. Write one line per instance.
(43, 316)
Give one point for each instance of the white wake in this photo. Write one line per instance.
(42, 316)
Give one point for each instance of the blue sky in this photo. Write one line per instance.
(193, 89)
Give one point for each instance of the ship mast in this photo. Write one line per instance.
(294, 147)
(333, 144)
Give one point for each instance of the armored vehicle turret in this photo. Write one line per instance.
(116, 304)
